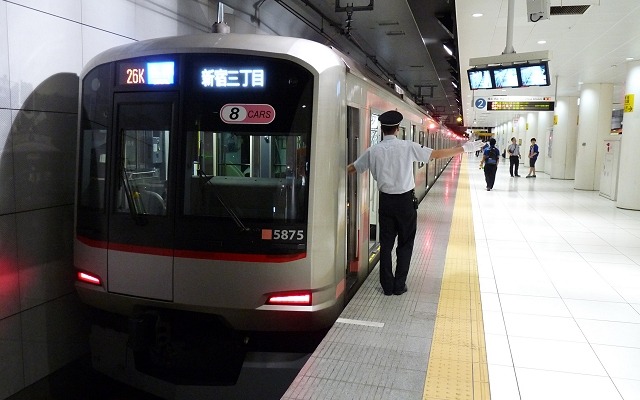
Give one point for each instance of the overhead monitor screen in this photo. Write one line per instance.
(506, 77)
(479, 79)
(535, 75)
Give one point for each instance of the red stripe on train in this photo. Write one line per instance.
(202, 255)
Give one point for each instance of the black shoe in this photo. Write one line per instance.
(387, 293)
(517, 176)
(399, 292)
(533, 176)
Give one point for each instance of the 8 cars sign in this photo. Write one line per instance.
(247, 113)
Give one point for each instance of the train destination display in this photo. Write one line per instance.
(146, 73)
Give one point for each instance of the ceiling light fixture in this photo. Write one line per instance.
(477, 15)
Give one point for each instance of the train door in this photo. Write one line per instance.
(353, 205)
(140, 255)
(376, 136)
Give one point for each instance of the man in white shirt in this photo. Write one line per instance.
(391, 164)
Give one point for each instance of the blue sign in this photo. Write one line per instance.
(481, 103)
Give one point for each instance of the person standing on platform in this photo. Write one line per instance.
(391, 164)
(491, 159)
(514, 157)
(533, 157)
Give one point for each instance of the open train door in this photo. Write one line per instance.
(141, 218)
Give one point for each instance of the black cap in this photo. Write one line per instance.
(390, 118)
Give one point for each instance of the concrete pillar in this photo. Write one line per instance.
(629, 176)
(545, 129)
(565, 131)
(594, 126)
(532, 132)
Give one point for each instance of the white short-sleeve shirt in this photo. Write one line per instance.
(391, 163)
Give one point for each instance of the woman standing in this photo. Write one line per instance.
(533, 157)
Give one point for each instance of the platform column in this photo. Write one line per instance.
(532, 132)
(563, 145)
(629, 176)
(545, 124)
(594, 126)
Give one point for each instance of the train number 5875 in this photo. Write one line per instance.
(288, 234)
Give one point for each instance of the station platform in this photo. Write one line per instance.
(529, 291)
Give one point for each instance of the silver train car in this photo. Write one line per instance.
(212, 179)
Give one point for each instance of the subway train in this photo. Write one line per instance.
(212, 180)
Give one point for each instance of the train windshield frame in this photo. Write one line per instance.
(247, 149)
(240, 154)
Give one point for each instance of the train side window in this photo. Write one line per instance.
(93, 168)
(96, 101)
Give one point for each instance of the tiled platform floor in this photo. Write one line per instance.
(559, 276)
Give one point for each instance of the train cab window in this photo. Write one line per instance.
(251, 176)
(144, 172)
(144, 158)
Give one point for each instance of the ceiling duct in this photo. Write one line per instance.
(569, 10)
(447, 23)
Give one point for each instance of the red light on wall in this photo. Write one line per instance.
(290, 299)
(88, 278)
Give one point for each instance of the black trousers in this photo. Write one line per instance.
(398, 218)
(514, 162)
(490, 174)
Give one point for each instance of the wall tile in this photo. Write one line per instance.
(160, 18)
(5, 86)
(41, 46)
(45, 254)
(113, 16)
(69, 9)
(11, 363)
(9, 272)
(44, 151)
(53, 335)
(7, 189)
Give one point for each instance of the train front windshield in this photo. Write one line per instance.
(248, 176)
(206, 155)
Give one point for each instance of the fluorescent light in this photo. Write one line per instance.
(448, 50)
(542, 41)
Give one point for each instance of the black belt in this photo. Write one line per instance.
(397, 194)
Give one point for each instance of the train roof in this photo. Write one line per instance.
(316, 55)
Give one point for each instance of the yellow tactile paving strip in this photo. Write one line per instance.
(458, 361)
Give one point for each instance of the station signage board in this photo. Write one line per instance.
(516, 103)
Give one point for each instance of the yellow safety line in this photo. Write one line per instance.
(458, 361)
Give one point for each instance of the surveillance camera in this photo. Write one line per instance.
(538, 10)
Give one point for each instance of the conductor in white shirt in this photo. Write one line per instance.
(391, 164)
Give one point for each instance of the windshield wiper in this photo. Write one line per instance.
(234, 216)
(137, 215)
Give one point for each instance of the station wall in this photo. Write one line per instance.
(44, 45)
